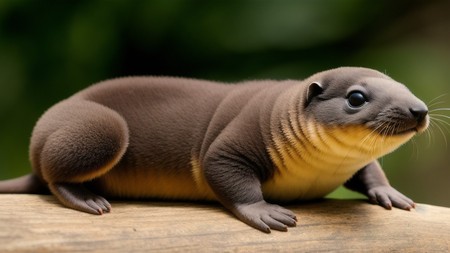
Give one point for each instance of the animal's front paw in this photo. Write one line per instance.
(264, 216)
(388, 197)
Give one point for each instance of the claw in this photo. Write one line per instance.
(388, 197)
(264, 216)
(77, 197)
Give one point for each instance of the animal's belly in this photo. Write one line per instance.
(152, 184)
(302, 186)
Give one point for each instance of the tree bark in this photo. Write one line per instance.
(38, 223)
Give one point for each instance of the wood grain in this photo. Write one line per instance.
(37, 223)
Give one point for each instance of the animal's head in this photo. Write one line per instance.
(367, 104)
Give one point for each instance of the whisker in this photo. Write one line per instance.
(386, 131)
(445, 123)
(436, 103)
(371, 139)
(437, 119)
(443, 134)
(395, 128)
(428, 133)
(433, 118)
(439, 109)
(439, 115)
(415, 149)
(433, 130)
(372, 134)
(435, 99)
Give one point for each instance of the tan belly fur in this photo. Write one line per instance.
(331, 157)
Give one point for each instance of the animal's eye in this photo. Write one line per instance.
(356, 99)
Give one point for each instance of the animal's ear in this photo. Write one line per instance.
(313, 90)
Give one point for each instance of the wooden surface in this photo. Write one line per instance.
(32, 223)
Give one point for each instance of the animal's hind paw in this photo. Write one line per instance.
(76, 196)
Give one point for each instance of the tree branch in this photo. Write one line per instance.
(38, 223)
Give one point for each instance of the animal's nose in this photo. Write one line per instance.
(419, 113)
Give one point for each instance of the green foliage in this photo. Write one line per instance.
(51, 49)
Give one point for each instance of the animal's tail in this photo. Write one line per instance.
(24, 184)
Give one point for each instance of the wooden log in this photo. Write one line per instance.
(38, 223)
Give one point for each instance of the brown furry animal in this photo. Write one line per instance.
(241, 145)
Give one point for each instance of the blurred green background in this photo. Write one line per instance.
(51, 49)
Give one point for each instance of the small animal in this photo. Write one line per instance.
(247, 145)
